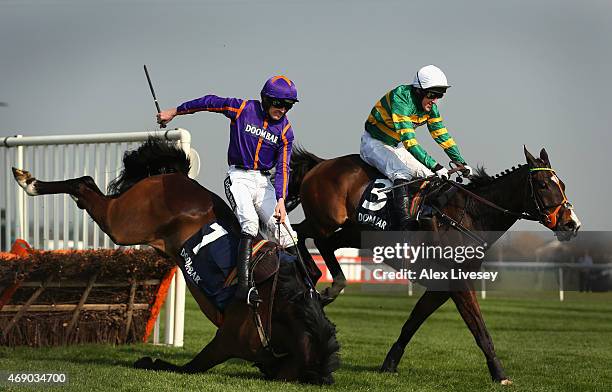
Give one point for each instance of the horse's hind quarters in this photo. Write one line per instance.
(25, 180)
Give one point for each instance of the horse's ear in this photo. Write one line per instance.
(530, 158)
(544, 156)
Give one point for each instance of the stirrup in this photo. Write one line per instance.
(252, 297)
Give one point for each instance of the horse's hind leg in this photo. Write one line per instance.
(303, 233)
(347, 237)
(214, 353)
(326, 249)
(425, 306)
(468, 307)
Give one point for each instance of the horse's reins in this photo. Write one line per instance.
(549, 220)
(301, 263)
(519, 215)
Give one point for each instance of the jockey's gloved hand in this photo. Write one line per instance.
(441, 171)
(467, 171)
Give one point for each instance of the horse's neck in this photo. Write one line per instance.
(509, 192)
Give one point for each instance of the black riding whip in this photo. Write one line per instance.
(153, 93)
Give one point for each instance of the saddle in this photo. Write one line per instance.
(264, 267)
(376, 208)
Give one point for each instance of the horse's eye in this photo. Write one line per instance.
(542, 184)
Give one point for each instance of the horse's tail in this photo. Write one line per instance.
(155, 156)
(301, 162)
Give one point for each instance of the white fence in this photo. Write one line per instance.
(55, 222)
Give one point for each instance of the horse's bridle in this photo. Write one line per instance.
(549, 220)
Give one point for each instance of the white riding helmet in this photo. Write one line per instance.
(430, 76)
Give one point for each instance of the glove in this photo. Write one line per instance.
(441, 171)
(467, 171)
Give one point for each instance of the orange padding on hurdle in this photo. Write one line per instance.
(20, 248)
(160, 297)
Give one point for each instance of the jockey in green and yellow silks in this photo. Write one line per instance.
(389, 142)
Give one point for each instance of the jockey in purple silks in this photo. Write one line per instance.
(261, 139)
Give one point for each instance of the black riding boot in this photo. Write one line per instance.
(246, 288)
(292, 250)
(401, 202)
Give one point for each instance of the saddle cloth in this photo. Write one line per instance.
(376, 208)
(209, 262)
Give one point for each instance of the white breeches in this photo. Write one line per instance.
(253, 199)
(394, 162)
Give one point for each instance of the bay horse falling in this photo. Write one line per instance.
(164, 211)
(330, 192)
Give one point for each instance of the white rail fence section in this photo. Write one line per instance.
(55, 222)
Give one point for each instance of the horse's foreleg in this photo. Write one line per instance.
(214, 353)
(35, 187)
(211, 355)
(468, 307)
(83, 190)
(429, 302)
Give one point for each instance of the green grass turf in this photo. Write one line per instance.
(544, 344)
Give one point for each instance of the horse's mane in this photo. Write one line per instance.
(155, 156)
(301, 162)
(481, 178)
(318, 326)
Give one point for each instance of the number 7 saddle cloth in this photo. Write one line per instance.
(208, 261)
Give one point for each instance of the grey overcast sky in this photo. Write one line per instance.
(523, 72)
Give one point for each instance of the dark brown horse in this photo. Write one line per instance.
(163, 211)
(330, 192)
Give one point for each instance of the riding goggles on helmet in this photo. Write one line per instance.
(433, 94)
(282, 103)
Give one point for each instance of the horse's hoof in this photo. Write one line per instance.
(392, 359)
(388, 369)
(506, 381)
(25, 180)
(144, 363)
(325, 299)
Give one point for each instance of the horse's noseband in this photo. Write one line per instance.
(547, 219)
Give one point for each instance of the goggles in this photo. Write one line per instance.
(433, 94)
(282, 103)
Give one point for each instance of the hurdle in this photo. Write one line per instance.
(55, 222)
